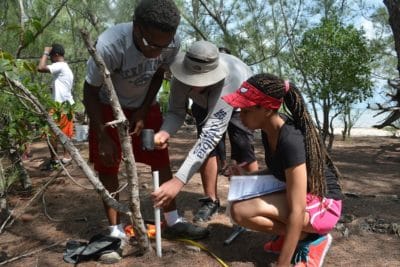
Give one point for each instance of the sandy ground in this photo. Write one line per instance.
(366, 236)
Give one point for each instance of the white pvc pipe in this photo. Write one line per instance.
(157, 219)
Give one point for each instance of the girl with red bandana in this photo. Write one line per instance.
(303, 214)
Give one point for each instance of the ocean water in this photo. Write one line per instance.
(367, 118)
(364, 124)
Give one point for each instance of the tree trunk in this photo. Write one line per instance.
(393, 7)
(4, 212)
(24, 178)
(345, 130)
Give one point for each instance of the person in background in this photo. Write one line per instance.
(61, 91)
(202, 74)
(199, 113)
(310, 207)
(137, 54)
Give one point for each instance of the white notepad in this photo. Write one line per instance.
(249, 186)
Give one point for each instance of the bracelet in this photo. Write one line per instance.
(45, 53)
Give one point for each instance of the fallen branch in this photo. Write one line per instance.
(29, 253)
(65, 169)
(58, 220)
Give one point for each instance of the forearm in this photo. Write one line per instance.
(211, 134)
(42, 67)
(191, 165)
(92, 105)
(199, 153)
(293, 232)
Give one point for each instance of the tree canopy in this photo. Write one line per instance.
(336, 61)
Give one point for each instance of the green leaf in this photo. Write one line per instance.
(6, 55)
(37, 24)
(12, 74)
(28, 37)
(5, 65)
(29, 66)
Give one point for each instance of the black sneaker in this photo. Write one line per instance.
(208, 209)
(51, 165)
(185, 230)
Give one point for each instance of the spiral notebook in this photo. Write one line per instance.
(249, 186)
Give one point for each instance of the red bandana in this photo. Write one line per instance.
(247, 96)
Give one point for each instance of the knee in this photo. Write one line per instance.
(237, 214)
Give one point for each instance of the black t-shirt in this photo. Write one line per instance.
(290, 151)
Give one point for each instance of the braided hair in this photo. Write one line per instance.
(316, 154)
(161, 14)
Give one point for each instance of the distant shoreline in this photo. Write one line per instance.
(365, 131)
(355, 131)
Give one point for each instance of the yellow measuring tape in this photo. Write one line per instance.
(221, 262)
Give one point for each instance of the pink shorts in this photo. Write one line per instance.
(157, 159)
(324, 213)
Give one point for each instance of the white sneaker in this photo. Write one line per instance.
(119, 232)
(65, 160)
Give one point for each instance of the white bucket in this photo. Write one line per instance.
(81, 132)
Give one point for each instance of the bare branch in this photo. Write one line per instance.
(194, 26)
(23, 44)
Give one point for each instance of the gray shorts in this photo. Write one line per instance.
(241, 140)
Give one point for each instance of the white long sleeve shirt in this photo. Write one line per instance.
(218, 117)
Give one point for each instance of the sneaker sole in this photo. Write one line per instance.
(110, 258)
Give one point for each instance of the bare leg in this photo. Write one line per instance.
(110, 182)
(265, 214)
(209, 177)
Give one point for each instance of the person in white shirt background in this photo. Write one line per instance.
(61, 91)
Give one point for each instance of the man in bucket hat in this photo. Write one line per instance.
(204, 75)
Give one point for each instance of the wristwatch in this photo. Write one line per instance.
(46, 53)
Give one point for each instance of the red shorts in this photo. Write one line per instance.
(324, 213)
(65, 125)
(157, 159)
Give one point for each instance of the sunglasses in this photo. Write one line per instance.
(148, 45)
